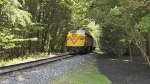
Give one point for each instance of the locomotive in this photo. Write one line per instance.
(79, 42)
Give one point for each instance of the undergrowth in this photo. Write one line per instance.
(26, 58)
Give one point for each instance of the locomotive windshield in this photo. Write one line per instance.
(77, 31)
(80, 32)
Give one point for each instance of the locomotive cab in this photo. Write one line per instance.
(75, 41)
(79, 42)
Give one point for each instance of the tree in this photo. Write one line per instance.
(12, 20)
(122, 22)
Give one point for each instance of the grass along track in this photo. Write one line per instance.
(26, 58)
(88, 75)
(25, 65)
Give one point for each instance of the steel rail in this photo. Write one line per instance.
(21, 66)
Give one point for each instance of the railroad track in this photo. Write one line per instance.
(21, 66)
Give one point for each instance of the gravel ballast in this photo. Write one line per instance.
(45, 73)
(118, 71)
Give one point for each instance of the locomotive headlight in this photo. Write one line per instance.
(81, 38)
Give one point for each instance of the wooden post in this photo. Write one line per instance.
(148, 43)
(131, 58)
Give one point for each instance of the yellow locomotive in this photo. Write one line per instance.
(79, 42)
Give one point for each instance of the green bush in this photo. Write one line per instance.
(113, 40)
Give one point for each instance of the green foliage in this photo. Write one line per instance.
(79, 10)
(144, 24)
(115, 11)
(11, 15)
(113, 40)
(119, 20)
(3, 2)
(95, 31)
(12, 19)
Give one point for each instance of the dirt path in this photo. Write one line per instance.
(123, 71)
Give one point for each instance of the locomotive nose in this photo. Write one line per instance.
(74, 35)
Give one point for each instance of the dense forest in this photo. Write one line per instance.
(29, 26)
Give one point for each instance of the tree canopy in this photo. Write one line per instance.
(28, 26)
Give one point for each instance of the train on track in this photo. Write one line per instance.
(80, 42)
